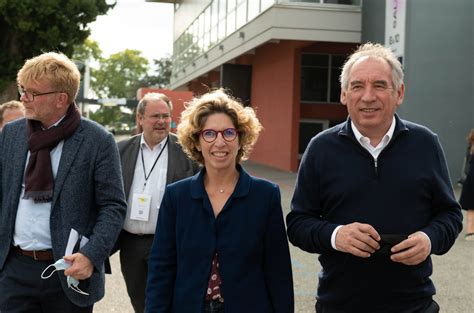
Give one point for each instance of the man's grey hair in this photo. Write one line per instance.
(13, 104)
(377, 51)
(153, 96)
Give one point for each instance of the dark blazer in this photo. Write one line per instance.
(88, 196)
(248, 235)
(179, 165)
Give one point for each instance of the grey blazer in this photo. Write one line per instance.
(88, 196)
(179, 165)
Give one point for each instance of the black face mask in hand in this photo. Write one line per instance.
(387, 241)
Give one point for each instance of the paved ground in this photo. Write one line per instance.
(453, 272)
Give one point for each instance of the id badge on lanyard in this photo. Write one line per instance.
(140, 210)
(141, 202)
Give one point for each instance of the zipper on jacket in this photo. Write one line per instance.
(396, 134)
(366, 152)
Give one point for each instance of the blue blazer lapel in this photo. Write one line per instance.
(68, 155)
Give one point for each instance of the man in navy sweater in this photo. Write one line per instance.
(373, 198)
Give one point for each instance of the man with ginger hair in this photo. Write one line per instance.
(60, 181)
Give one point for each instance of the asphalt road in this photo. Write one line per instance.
(453, 272)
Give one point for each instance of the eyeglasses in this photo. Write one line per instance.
(30, 96)
(209, 135)
(156, 117)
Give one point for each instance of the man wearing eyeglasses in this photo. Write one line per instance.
(150, 161)
(60, 176)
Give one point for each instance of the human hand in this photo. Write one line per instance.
(358, 239)
(81, 267)
(412, 251)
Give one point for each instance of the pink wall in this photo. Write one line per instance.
(276, 73)
(275, 94)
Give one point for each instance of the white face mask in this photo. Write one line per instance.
(61, 265)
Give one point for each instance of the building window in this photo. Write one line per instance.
(320, 77)
(219, 19)
(241, 13)
(308, 129)
(349, 2)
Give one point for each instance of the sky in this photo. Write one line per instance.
(137, 25)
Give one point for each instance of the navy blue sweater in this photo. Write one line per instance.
(407, 190)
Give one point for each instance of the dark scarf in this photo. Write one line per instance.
(39, 179)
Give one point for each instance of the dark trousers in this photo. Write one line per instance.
(23, 291)
(427, 306)
(134, 255)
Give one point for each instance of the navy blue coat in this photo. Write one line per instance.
(248, 234)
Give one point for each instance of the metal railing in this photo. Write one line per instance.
(219, 20)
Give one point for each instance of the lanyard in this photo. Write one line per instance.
(143, 162)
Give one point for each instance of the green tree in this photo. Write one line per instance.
(88, 54)
(119, 76)
(88, 51)
(113, 116)
(106, 115)
(162, 74)
(29, 27)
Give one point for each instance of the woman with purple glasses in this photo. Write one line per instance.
(220, 242)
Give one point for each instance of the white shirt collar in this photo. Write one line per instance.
(144, 144)
(55, 124)
(364, 140)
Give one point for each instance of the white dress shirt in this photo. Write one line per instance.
(155, 185)
(365, 141)
(32, 230)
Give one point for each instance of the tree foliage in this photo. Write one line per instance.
(111, 116)
(119, 75)
(88, 51)
(161, 75)
(30, 27)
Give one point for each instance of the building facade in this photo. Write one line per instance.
(283, 58)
